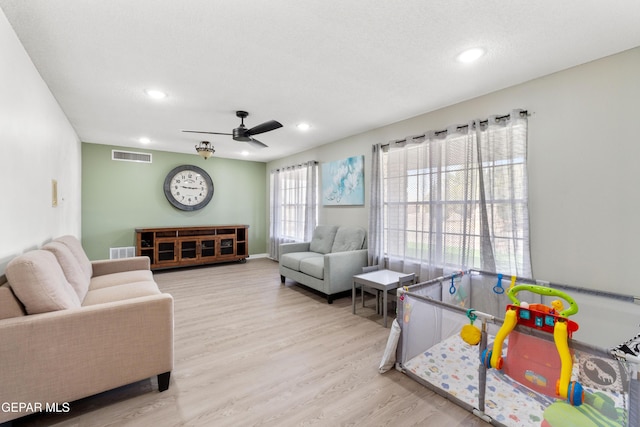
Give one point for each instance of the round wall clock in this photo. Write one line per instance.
(188, 187)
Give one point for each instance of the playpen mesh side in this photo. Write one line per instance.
(466, 291)
(424, 327)
(606, 319)
(430, 335)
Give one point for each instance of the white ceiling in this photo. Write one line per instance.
(344, 66)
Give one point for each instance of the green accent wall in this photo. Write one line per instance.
(119, 196)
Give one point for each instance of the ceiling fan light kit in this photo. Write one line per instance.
(241, 133)
(205, 149)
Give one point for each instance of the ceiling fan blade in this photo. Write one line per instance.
(257, 144)
(264, 127)
(201, 131)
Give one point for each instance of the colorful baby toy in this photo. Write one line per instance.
(552, 319)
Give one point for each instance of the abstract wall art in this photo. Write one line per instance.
(343, 182)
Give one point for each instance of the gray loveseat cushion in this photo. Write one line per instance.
(348, 239)
(313, 266)
(322, 239)
(292, 260)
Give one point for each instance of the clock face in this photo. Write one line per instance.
(188, 187)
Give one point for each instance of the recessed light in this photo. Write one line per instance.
(144, 140)
(471, 55)
(155, 93)
(303, 126)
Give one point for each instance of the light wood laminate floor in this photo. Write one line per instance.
(252, 352)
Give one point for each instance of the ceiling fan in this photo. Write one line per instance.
(241, 133)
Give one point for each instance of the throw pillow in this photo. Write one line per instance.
(322, 239)
(71, 267)
(39, 283)
(348, 239)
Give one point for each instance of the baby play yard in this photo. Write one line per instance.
(520, 353)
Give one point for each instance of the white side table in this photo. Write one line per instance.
(382, 280)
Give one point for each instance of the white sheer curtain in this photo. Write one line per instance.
(455, 199)
(375, 242)
(293, 205)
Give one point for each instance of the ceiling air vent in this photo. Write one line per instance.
(130, 156)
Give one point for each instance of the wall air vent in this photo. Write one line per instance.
(130, 156)
(122, 252)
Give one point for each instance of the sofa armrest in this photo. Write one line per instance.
(340, 267)
(286, 248)
(65, 355)
(110, 266)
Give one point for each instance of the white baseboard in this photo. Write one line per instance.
(254, 256)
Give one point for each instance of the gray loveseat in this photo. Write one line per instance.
(328, 262)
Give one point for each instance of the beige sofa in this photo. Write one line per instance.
(328, 262)
(71, 328)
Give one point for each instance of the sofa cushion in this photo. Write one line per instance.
(121, 292)
(313, 266)
(120, 278)
(39, 283)
(70, 266)
(348, 239)
(76, 249)
(10, 306)
(322, 239)
(292, 260)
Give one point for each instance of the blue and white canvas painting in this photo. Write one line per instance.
(343, 182)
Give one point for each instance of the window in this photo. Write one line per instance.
(293, 200)
(293, 196)
(458, 200)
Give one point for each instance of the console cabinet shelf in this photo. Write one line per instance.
(169, 247)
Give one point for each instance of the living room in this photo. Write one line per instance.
(582, 151)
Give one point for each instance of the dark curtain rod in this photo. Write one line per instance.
(315, 162)
(440, 132)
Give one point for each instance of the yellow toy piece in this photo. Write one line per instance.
(510, 321)
(557, 305)
(563, 386)
(470, 334)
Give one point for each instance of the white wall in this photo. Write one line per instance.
(37, 144)
(584, 151)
